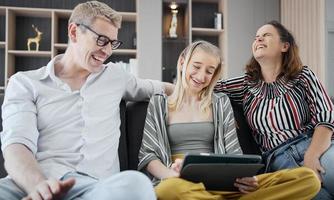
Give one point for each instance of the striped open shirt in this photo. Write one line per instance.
(155, 144)
(283, 109)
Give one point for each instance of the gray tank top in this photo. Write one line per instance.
(193, 137)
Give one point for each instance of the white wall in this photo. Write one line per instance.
(243, 18)
(306, 20)
(149, 43)
(329, 9)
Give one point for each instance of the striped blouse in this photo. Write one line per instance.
(283, 109)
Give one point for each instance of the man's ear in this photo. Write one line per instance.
(72, 32)
(286, 46)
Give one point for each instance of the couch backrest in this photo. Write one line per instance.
(246, 140)
(123, 148)
(135, 121)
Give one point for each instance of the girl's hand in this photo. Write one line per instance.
(246, 184)
(177, 165)
(174, 170)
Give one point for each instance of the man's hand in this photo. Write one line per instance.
(168, 88)
(246, 184)
(50, 189)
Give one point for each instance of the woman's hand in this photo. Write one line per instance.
(321, 141)
(312, 161)
(177, 165)
(246, 184)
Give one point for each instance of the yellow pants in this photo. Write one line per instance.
(295, 184)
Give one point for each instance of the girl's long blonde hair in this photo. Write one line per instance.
(177, 97)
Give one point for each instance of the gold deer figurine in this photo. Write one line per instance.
(36, 39)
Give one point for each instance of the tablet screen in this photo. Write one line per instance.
(220, 158)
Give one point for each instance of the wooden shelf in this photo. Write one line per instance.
(129, 16)
(175, 39)
(2, 44)
(126, 16)
(30, 53)
(125, 52)
(60, 46)
(206, 1)
(62, 13)
(206, 31)
(30, 12)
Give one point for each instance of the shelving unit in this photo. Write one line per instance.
(29, 53)
(206, 31)
(16, 27)
(196, 20)
(172, 47)
(203, 21)
(2, 47)
(2, 44)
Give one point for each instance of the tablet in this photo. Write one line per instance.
(218, 172)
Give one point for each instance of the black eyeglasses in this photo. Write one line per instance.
(103, 40)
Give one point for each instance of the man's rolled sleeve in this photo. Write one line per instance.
(19, 114)
(141, 89)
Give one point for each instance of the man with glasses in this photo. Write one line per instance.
(61, 122)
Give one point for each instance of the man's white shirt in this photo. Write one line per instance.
(70, 130)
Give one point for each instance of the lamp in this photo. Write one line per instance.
(173, 6)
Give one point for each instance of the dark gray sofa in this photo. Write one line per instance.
(132, 124)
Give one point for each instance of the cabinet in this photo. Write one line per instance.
(16, 27)
(196, 21)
